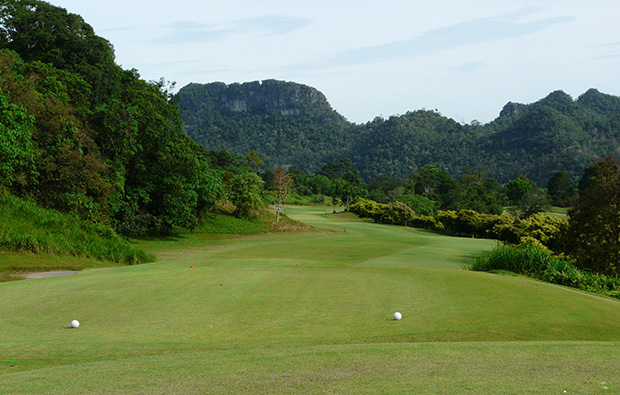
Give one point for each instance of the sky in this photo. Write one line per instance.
(373, 58)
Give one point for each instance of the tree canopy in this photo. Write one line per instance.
(593, 236)
(80, 134)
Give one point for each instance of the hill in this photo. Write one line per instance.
(289, 123)
(286, 123)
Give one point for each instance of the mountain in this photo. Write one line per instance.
(293, 124)
(555, 133)
(284, 122)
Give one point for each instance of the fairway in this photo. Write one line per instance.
(307, 312)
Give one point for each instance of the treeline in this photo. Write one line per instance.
(430, 189)
(286, 125)
(81, 135)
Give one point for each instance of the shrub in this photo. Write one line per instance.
(533, 261)
(426, 222)
(365, 208)
(395, 213)
(469, 223)
(540, 226)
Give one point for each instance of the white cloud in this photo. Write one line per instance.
(193, 32)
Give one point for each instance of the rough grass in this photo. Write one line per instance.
(26, 227)
(535, 262)
(306, 312)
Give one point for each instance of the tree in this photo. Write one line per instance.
(385, 187)
(517, 189)
(345, 181)
(593, 236)
(16, 147)
(419, 204)
(560, 189)
(282, 183)
(39, 31)
(475, 192)
(320, 184)
(244, 191)
(535, 201)
(253, 160)
(431, 182)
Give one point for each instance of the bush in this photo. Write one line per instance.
(365, 208)
(469, 223)
(540, 226)
(395, 213)
(540, 263)
(427, 222)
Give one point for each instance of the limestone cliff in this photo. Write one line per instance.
(284, 98)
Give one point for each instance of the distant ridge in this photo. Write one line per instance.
(290, 123)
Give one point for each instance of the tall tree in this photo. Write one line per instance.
(431, 182)
(560, 189)
(593, 236)
(39, 31)
(108, 145)
(517, 189)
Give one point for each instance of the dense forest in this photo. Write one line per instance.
(284, 122)
(292, 124)
(81, 135)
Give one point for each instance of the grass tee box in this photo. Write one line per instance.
(306, 312)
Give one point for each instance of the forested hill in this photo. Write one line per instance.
(288, 123)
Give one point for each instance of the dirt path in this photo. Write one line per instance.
(33, 275)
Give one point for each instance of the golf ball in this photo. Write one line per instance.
(75, 323)
(397, 316)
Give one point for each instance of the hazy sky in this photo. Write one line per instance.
(373, 58)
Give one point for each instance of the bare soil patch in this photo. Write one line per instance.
(56, 273)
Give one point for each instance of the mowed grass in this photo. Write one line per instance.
(306, 312)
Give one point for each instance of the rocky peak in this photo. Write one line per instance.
(285, 98)
(510, 109)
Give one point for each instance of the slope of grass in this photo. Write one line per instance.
(306, 312)
(26, 227)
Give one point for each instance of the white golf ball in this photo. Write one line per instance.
(75, 323)
(397, 316)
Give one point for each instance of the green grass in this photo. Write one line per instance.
(26, 227)
(559, 212)
(306, 312)
(228, 224)
(13, 264)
